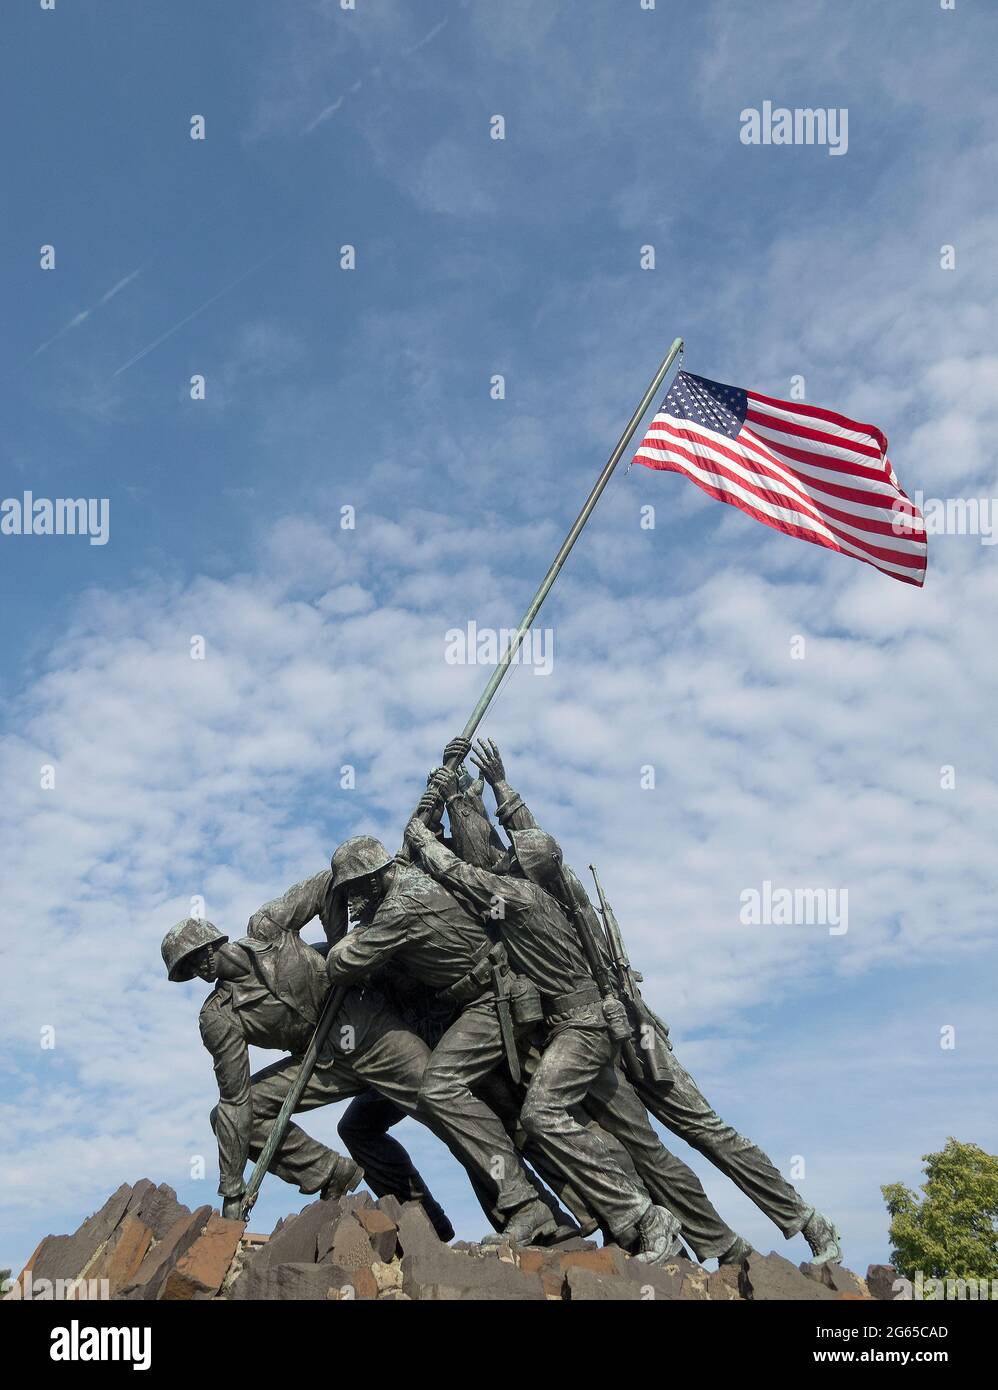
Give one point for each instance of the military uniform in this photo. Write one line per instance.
(367, 1120)
(576, 1051)
(679, 1104)
(427, 935)
(272, 996)
(365, 1124)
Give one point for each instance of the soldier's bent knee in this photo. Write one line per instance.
(351, 1128)
(439, 1090)
(538, 1116)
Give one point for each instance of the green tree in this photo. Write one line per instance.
(951, 1231)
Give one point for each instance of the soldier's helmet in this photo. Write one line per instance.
(356, 858)
(538, 854)
(184, 941)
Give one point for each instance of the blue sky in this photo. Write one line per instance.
(371, 389)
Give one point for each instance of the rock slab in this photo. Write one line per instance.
(148, 1245)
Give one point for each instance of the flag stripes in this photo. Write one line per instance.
(803, 470)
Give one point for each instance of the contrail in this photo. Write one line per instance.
(333, 107)
(426, 38)
(119, 286)
(325, 114)
(192, 315)
(84, 314)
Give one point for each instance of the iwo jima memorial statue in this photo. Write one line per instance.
(469, 981)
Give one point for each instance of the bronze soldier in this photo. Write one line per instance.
(367, 1120)
(405, 918)
(576, 1048)
(365, 1125)
(269, 990)
(680, 1105)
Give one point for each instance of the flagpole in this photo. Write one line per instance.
(335, 997)
(495, 680)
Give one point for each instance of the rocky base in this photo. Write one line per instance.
(144, 1244)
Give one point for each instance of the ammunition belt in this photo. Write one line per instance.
(563, 1003)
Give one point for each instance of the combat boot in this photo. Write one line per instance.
(658, 1236)
(528, 1223)
(346, 1175)
(738, 1250)
(564, 1230)
(823, 1238)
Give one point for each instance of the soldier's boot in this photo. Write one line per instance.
(529, 1223)
(345, 1176)
(738, 1250)
(658, 1236)
(823, 1238)
(563, 1230)
(565, 1226)
(439, 1219)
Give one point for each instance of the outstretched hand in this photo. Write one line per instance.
(486, 758)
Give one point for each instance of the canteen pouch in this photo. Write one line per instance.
(525, 1001)
(615, 1017)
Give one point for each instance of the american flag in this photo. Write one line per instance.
(808, 472)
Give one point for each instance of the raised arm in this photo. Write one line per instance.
(512, 812)
(296, 908)
(473, 836)
(475, 886)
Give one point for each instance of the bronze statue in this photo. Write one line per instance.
(478, 992)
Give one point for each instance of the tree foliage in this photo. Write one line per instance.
(951, 1231)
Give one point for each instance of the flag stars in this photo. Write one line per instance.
(718, 408)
